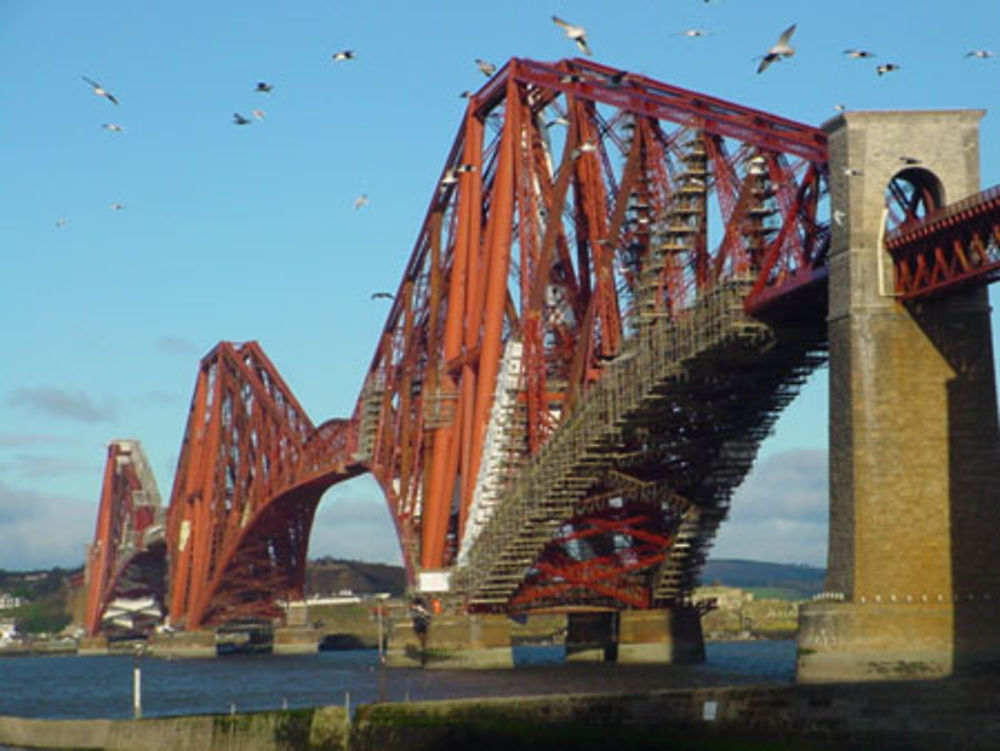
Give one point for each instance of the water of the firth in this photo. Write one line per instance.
(88, 687)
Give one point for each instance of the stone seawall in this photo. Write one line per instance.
(320, 729)
(936, 715)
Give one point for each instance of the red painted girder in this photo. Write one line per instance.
(643, 95)
(248, 444)
(128, 509)
(595, 575)
(955, 246)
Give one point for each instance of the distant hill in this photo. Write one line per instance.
(781, 580)
(328, 576)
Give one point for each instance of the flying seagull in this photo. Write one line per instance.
(61, 222)
(577, 33)
(339, 57)
(781, 49)
(487, 69)
(909, 160)
(117, 206)
(382, 296)
(238, 119)
(859, 53)
(263, 87)
(840, 107)
(887, 68)
(258, 114)
(853, 171)
(981, 54)
(100, 90)
(465, 168)
(693, 33)
(360, 201)
(113, 127)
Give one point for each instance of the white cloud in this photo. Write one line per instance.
(56, 402)
(781, 511)
(175, 345)
(353, 522)
(39, 530)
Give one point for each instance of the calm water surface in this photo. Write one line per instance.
(85, 687)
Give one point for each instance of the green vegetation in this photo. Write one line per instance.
(45, 594)
(775, 593)
(803, 581)
(44, 617)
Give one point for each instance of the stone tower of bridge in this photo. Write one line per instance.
(914, 561)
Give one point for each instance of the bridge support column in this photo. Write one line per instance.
(914, 559)
(661, 636)
(468, 641)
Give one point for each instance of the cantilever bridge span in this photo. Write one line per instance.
(617, 287)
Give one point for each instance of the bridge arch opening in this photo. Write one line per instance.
(911, 195)
(353, 522)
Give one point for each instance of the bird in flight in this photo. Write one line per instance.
(853, 171)
(360, 201)
(238, 119)
(693, 33)
(383, 296)
(577, 33)
(263, 87)
(840, 107)
(486, 68)
(339, 57)
(981, 54)
(859, 53)
(781, 49)
(61, 222)
(258, 114)
(113, 127)
(100, 90)
(117, 206)
(887, 68)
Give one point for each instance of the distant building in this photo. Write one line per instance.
(9, 601)
(726, 598)
(8, 629)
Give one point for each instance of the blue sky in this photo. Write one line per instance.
(249, 232)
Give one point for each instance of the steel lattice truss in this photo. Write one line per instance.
(126, 559)
(251, 472)
(585, 219)
(578, 205)
(954, 246)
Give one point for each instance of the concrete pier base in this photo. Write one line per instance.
(840, 642)
(485, 641)
(665, 635)
(469, 641)
(846, 641)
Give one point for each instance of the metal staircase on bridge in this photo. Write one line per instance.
(684, 409)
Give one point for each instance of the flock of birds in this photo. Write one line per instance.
(780, 50)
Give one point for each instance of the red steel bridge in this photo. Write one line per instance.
(617, 287)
